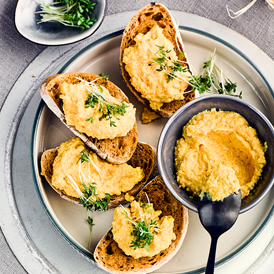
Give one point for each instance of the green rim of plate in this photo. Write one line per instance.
(67, 237)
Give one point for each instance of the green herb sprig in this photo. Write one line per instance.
(72, 13)
(213, 76)
(83, 157)
(143, 230)
(166, 64)
(91, 224)
(200, 83)
(111, 109)
(90, 204)
(144, 234)
(90, 191)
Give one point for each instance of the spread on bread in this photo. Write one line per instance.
(82, 174)
(92, 110)
(218, 146)
(153, 68)
(140, 232)
(152, 199)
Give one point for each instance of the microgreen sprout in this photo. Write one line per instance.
(72, 13)
(170, 67)
(108, 109)
(84, 157)
(91, 224)
(89, 198)
(213, 76)
(143, 229)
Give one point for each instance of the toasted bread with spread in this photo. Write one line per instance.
(119, 147)
(146, 44)
(112, 259)
(143, 158)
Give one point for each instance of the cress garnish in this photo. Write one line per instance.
(213, 76)
(91, 224)
(167, 65)
(96, 98)
(143, 229)
(72, 13)
(89, 198)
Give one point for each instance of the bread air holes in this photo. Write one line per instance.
(167, 198)
(107, 237)
(157, 17)
(130, 42)
(109, 250)
(121, 143)
(148, 14)
(161, 25)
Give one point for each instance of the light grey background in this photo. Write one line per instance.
(16, 53)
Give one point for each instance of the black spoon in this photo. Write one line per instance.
(217, 217)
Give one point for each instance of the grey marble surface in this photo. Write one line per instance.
(16, 53)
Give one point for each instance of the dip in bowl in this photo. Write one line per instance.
(173, 131)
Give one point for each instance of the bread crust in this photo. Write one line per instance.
(144, 157)
(116, 151)
(142, 22)
(112, 259)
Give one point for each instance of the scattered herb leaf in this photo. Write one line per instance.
(91, 224)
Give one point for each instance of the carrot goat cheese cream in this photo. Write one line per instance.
(139, 231)
(89, 120)
(146, 62)
(69, 172)
(219, 154)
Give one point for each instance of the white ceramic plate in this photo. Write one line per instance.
(49, 132)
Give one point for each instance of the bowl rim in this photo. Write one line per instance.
(174, 117)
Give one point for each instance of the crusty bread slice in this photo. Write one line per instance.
(142, 22)
(116, 151)
(112, 259)
(144, 157)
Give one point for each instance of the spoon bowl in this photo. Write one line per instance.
(217, 217)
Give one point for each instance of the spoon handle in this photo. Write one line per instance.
(211, 257)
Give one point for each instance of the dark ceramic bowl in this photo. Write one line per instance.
(172, 131)
(52, 33)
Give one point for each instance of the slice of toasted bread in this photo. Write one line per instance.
(144, 157)
(142, 22)
(116, 151)
(112, 259)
